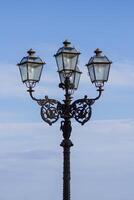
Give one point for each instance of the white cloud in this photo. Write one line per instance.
(122, 74)
(10, 83)
(31, 160)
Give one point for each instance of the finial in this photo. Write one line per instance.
(66, 43)
(31, 52)
(98, 52)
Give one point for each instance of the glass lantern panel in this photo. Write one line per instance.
(70, 61)
(23, 72)
(34, 71)
(62, 77)
(71, 75)
(67, 73)
(77, 79)
(72, 80)
(91, 73)
(101, 72)
(59, 62)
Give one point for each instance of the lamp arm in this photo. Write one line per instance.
(81, 108)
(30, 90)
(100, 90)
(50, 108)
(43, 101)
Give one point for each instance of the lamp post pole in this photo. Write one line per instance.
(80, 109)
(66, 144)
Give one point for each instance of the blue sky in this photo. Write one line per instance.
(30, 156)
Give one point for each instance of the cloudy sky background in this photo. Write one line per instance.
(102, 156)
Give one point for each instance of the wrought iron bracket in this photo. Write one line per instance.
(49, 108)
(52, 110)
(82, 110)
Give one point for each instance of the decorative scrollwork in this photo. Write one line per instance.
(49, 110)
(82, 110)
(52, 110)
(42, 102)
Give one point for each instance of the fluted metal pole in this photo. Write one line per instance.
(66, 144)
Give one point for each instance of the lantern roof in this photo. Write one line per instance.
(99, 58)
(31, 58)
(67, 49)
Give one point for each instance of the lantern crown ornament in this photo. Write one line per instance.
(98, 68)
(31, 68)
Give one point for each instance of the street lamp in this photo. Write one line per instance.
(51, 110)
(30, 69)
(98, 68)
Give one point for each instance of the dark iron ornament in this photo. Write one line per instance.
(80, 109)
(52, 110)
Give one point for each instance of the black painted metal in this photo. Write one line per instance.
(52, 110)
(66, 144)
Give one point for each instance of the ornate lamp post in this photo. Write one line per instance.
(51, 110)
